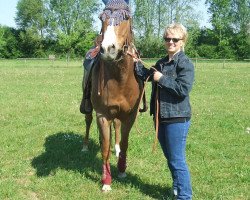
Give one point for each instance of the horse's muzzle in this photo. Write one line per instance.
(109, 53)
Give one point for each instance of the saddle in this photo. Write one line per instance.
(92, 55)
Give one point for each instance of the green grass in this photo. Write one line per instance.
(42, 132)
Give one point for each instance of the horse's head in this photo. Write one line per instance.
(116, 29)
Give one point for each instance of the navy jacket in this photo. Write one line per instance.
(173, 87)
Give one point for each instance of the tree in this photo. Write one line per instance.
(30, 44)
(70, 21)
(61, 23)
(230, 19)
(31, 14)
(31, 19)
(9, 45)
(2, 42)
(151, 17)
(241, 23)
(221, 19)
(144, 17)
(240, 12)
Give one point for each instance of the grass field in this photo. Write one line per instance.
(42, 132)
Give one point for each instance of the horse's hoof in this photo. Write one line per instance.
(85, 148)
(122, 175)
(117, 150)
(106, 188)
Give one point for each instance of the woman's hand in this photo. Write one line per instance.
(157, 76)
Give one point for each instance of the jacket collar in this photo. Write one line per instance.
(176, 56)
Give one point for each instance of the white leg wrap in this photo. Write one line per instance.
(106, 188)
(117, 150)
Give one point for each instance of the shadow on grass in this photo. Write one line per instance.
(63, 150)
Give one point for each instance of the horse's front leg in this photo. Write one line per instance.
(117, 127)
(88, 121)
(104, 129)
(122, 160)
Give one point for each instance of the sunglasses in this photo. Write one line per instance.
(173, 39)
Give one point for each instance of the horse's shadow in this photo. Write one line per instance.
(63, 150)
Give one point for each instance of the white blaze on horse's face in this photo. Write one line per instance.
(109, 43)
(114, 38)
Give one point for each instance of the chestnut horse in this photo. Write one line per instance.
(115, 91)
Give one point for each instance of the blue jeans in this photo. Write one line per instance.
(172, 138)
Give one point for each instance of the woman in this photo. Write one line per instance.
(172, 82)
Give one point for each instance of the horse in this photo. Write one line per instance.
(115, 90)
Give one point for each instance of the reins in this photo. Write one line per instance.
(156, 100)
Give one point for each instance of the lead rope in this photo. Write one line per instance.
(156, 122)
(156, 119)
(101, 76)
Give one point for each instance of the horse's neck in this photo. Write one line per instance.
(119, 70)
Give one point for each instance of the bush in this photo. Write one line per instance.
(207, 51)
(150, 47)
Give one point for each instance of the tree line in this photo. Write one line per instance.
(67, 28)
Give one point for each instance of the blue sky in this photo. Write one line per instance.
(8, 12)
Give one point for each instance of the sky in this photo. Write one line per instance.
(8, 13)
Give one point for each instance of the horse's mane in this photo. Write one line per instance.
(116, 11)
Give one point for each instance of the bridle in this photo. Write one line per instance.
(116, 12)
(126, 50)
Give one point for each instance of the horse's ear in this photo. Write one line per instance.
(105, 1)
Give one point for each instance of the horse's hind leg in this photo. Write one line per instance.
(117, 127)
(88, 121)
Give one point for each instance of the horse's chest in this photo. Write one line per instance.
(118, 98)
(124, 97)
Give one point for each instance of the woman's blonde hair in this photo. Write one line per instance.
(177, 29)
